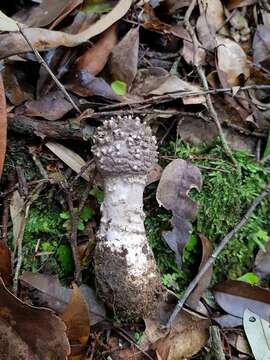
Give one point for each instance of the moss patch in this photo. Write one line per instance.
(224, 198)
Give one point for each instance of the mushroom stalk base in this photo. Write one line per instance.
(126, 273)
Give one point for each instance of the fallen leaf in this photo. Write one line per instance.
(231, 62)
(76, 318)
(261, 44)
(51, 107)
(3, 125)
(177, 179)
(5, 263)
(46, 12)
(258, 334)
(262, 262)
(14, 80)
(157, 81)
(209, 22)
(42, 39)
(204, 282)
(235, 296)
(7, 24)
(228, 321)
(185, 339)
(29, 333)
(96, 57)
(239, 342)
(83, 83)
(70, 158)
(123, 61)
(50, 293)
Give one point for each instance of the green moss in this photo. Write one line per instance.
(225, 196)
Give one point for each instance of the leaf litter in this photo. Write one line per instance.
(103, 52)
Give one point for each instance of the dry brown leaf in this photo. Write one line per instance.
(3, 125)
(123, 62)
(186, 337)
(76, 318)
(14, 82)
(5, 263)
(29, 333)
(41, 39)
(233, 4)
(51, 107)
(46, 12)
(69, 157)
(231, 62)
(95, 58)
(157, 81)
(18, 216)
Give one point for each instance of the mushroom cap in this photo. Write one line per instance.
(124, 145)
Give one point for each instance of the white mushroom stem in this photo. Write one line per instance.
(126, 272)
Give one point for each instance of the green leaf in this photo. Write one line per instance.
(267, 148)
(98, 194)
(97, 6)
(119, 87)
(65, 215)
(250, 278)
(87, 213)
(80, 225)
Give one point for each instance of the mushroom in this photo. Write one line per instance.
(127, 276)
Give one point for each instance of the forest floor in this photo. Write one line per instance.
(196, 72)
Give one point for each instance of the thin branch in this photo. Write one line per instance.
(215, 254)
(43, 63)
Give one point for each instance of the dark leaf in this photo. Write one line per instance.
(51, 107)
(123, 62)
(236, 296)
(177, 179)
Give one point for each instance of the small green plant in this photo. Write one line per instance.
(86, 214)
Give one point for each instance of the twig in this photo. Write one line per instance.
(204, 81)
(122, 333)
(12, 179)
(181, 94)
(74, 216)
(19, 240)
(43, 63)
(215, 254)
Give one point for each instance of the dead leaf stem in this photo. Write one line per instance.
(215, 254)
